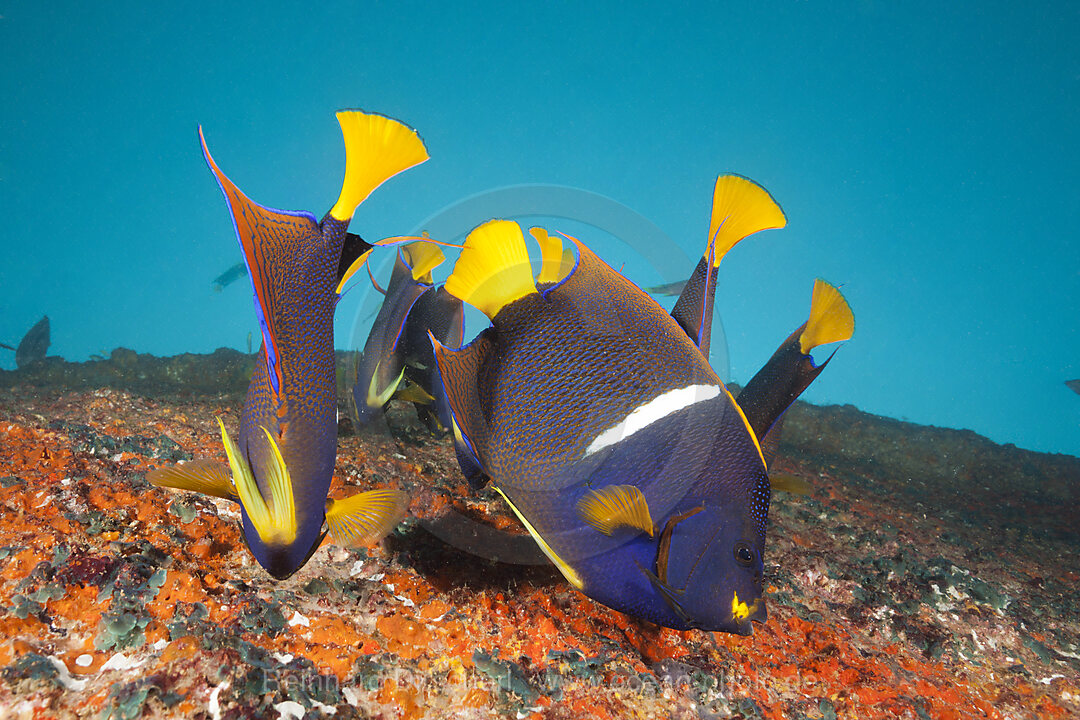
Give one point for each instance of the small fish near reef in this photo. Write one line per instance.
(398, 361)
(283, 459)
(597, 417)
(33, 346)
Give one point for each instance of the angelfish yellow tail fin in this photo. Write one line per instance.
(376, 149)
(366, 518)
(493, 269)
(740, 208)
(831, 319)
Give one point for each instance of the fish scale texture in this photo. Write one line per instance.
(573, 362)
(296, 266)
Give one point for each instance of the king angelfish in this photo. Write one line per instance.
(598, 418)
(283, 458)
(397, 361)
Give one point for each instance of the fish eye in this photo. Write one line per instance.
(743, 554)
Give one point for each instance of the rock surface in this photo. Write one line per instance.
(930, 574)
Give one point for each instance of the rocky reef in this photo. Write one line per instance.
(929, 574)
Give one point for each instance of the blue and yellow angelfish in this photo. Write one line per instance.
(598, 417)
(282, 460)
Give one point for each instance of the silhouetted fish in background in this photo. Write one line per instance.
(1074, 385)
(598, 418)
(33, 346)
(671, 288)
(284, 461)
(234, 273)
(398, 361)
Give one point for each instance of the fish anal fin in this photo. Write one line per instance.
(366, 518)
(493, 269)
(831, 319)
(376, 149)
(615, 506)
(694, 308)
(790, 370)
(209, 477)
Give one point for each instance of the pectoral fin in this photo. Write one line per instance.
(208, 477)
(616, 506)
(366, 518)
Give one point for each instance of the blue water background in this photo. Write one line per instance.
(926, 156)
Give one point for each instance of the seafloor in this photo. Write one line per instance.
(930, 574)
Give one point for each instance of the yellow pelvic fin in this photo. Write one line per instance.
(789, 484)
(568, 572)
(831, 319)
(493, 269)
(367, 518)
(275, 522)
(740, 208)
(423, 257)
(356, 265)
(411, 392)
(208, 477)
(551, 254)
(376, 149)
(616, 506)
(376, 399)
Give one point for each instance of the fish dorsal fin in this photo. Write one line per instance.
(551, 255)
(493, 269)
(831, 319)
(376, 149)
(740, 208)
(208, 477)
(268, 239)
(616, 506)
(422, 258)
(275, 522)
(366, 518)
(354, 255)
(458, 371)
(789, 483)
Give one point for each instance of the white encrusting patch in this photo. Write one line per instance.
(656, 409)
